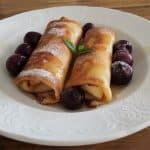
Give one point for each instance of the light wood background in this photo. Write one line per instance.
(138, 141)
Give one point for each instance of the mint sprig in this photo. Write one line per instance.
(79, 49)
(70, 45)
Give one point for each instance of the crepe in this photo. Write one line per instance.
(92, 70)
(45, 72)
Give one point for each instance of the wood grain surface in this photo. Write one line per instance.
(138, 141)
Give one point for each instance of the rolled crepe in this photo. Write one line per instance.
(45, 72)
(92, 70)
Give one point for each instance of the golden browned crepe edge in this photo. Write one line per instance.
(58, 88)
(94, 81)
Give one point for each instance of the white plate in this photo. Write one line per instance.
(23, 119)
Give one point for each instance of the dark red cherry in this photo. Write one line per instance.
(32, 38)
(121, 73)
(24, 49)
(86, 27)
(122, 55)
(122, 45)
(15, 64)
(72, 98)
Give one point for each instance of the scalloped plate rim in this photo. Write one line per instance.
(95, 140)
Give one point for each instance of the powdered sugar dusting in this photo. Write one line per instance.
(54, 49)
(45, 61)
(55, 23)
(59, 72)
(41, 73)
(57, 31)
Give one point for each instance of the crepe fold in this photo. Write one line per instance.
(92, 70)
(45, 72)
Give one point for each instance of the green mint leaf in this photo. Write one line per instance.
(85, 50)
(70, 45)
(81, 49)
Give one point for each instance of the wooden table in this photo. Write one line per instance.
(138, 141)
